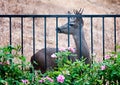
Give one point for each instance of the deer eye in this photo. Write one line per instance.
(71, 24)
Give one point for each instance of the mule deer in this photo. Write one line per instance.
(75, 25)
(38, 59)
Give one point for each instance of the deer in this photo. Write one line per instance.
(38, 59)
(76, 29)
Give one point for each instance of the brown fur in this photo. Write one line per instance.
(38, 59)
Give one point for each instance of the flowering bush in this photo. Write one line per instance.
(111, 68)
(11, 72)
(67, 72)
(79, 73)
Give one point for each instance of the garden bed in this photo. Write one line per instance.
(66, 72)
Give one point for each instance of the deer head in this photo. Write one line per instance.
(74, 24)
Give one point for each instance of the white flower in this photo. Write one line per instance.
(66, 72)
(53, 56)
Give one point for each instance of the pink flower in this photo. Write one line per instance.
(1, 63)
(53, 56)
(71, 49)
(60, 78)
(103, 67)
(107, 57)
(7, 63)
(24, 81)
(62, 49)
(45, 78)
(50, 79)
(42, 80)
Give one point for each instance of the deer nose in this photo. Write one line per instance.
(58, 30)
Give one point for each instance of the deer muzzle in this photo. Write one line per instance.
(59, 30)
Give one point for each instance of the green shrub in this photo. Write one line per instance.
(13, 70)
(79, 73)
(11, 73)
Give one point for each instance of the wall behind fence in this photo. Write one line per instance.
(101, 32)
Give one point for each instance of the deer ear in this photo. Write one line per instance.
(69, 12)
(81, 11)
(71, 18)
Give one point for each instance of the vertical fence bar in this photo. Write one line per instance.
(115, 44)
(33, 35)
(80, 34)
(115, 34)
(68, 32)
(103, 32)
(91, 20)
(45, 41)
(22, 39)
(10, 41)
(22, 35)
(10, 24)
(33, 19)
(103, 36)
(56, 34)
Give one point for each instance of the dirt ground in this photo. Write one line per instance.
(58, 7)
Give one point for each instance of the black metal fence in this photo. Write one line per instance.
(57, 17)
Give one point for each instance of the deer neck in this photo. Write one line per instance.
(77, 40)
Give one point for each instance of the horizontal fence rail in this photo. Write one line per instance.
(57, 17)
(51, 16)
